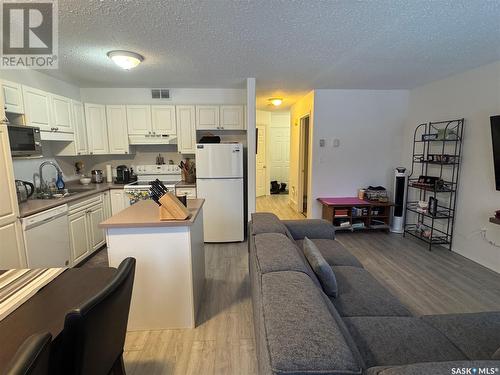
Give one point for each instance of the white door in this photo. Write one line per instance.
(186, 129)
(207, 117)
(223, 209)
(106, 203)
(139, 120)
(163, 117)
(79, 236)
(260, 162)
(231, 117)
(12, 254)
(81, 144)
(95, 216)
(37, 108)
(13, 97)
(95, 117)
(117, 197)
(116, 120)
(223, 160)
(61, 109)
(279, 154)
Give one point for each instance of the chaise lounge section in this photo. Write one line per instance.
(363, 330)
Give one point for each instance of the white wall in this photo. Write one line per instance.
(251, 145)
(474, 95)
(369, 125)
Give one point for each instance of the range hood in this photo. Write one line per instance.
(152, 140)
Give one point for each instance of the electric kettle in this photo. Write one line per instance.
(24, 190)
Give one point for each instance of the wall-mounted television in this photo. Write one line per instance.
(495, 138)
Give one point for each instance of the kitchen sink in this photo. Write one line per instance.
(63, 194)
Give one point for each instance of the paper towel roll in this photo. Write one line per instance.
(109, 173)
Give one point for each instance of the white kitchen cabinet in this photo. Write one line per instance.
(13, 97)
(96, 216)
(186, 129)
(231, 117)
(116, 119)
(97, 133)
(106, 204)
(163, 119)
(190, 192)
(81, 143)
(139, 120)
(79, 236)
(37, 108)
(119, 200)
(207, 117)
(61, 110)
(12, 254)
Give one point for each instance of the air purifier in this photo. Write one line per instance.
(399, 199)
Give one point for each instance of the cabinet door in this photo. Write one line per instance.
(8, 204)
(117, 197)
(207, 117)
(116, 118)
(106, 204)
(139, 120)
(231, 117)
(13, 97)
(95, 216)
(81, 144)
(79, 236)
(186, 131)
(61, 109)
(97, 134)
(163, 117)
(37, 108)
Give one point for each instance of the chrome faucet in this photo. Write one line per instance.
(43, 184)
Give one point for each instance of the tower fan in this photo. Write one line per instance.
(398, 212)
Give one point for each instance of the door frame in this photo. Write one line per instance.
(266, 174)
(300, 192)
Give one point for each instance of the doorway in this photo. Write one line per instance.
(304, 165)
(260, 163)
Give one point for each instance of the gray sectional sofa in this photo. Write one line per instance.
(364, 330)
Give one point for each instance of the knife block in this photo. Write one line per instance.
(172, 208)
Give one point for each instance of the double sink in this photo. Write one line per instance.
(64, 193)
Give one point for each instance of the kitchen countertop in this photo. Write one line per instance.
(33, 206)
(146, 214)
(183, 184)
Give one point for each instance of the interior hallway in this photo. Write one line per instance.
(278, 205)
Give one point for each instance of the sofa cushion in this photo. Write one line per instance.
(303, 337)
(312, 228)
(476, 334)
(334, 252)
(496, 355)
(390, 341)
(360, 294)
(436, 368)
(321, 268)
(266, 222)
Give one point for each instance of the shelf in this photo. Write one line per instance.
(442, 213)
(438, 140)
(431, 189)
(434, 162)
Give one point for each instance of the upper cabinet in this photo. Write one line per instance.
(81, 143)
(207, 117)
(116, 117)
(37, 108)
(13, 97)
(139, 120)
(97, 133)
(232, 117)
(61, 108)
(163, 119)
(186, 129)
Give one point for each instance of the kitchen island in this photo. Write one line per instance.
(170, 270)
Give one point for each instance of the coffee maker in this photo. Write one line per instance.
(122, 174)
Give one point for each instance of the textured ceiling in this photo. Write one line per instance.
(292, 46)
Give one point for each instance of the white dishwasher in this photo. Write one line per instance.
(46, 238)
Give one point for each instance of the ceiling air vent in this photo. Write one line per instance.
(160, 93)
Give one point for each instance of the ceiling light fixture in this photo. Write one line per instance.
(276, 101)
(125, 59)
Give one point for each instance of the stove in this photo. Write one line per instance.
(169, 174)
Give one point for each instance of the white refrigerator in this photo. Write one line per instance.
(219, 180)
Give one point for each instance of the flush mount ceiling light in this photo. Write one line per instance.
(125, 59)
(276, 101)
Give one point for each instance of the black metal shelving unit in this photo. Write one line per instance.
(437, 151)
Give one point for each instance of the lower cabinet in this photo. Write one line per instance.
(189, 192)
(119, 200)
(12, 249)
(106, 203)
(84, 232)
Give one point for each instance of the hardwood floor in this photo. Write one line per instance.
(427, 282)
(277, 204)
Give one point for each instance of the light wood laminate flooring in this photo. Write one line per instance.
(278, 205)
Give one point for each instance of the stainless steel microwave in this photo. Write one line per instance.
(24, 141)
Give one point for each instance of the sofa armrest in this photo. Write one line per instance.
(311, 228)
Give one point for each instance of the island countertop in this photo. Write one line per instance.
(145, 214)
